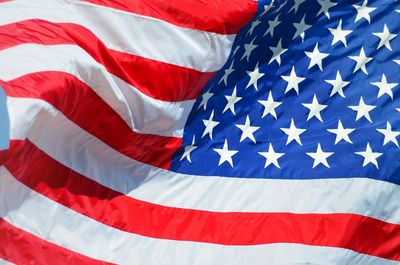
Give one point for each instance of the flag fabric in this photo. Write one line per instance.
(4, 124)
(201, 132)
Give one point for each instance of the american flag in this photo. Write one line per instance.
(201, 132)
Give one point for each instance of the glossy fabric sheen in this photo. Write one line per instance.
(179, 83)
(159, 40)
(162, 222)
(160, 186)
(104, 97)
(37, 212)
(141, 112)
(201, 15)
(151, 149)
(295, 163)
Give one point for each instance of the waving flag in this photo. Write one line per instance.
(201, 132)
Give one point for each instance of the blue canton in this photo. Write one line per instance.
(311, 90)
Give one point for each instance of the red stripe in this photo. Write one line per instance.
(217, 16)
(84, 107)
(48, 177)
(178, 83)
(20, 247)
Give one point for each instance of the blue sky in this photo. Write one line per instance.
(4, 124)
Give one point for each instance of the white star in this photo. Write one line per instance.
(338, 85)
(225, 154)
(369, 156)
(296, 5)
(272, 25)
(210, 124)
(267, 8)
(397, 61)
(341, 133)
(293, 133)
(385, 87)
(248, 49)
(385, 38)
(254, 76)
(254, 24)
(320, 157)
(205, 97)
(277, 52)
(269, 106)
(227, 73)
(188, 150)
(361, 60)
(363, 110)
(235, 51)
(325, 6)
(340, 34)
(301, 27)
(293, 81)
(390, 136)
(247, 130)
(280, 6)
(271, 157)
(315, 109)
(316, 57)
(231, 101)
(363, 11)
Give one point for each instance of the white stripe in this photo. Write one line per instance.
(142, 113)
(131, 33)
(37, 214)
(5, 262)
(70, 145)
